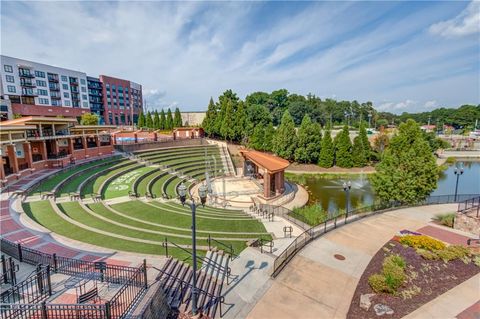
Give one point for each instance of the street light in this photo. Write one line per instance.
(458, 171)
(346, 188)
(202, 193)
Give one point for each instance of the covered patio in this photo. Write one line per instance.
(267, 169)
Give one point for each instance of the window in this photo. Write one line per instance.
(42, 92)
(8, 68)
(107, 86)
(66, 95)
(11, 89)
(85, 104)
(84, 97)
(40, 74)
(84, 89)
(65, 86)
(67, 103)
(113, 87)
(82, 81)
(10, 78)
(64, 78)
(41, 83)
(43, 101)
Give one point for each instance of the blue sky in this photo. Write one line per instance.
(402, 56)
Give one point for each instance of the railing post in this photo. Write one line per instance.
(49, 281)
(20, 255)
(44, 310)
(108, 310)
(55, 264)
(209, 240)
(145, 273)
(166, 247)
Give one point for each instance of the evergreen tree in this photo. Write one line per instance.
(407, 171)
(257, 138)
(227, 130)
(223, 100)
(163, 121)
(308, 142)
(156, 120)
(210, 119)
(177, 120)
(358, 153)
(141, 120)
(285, 139)
(239, 123)
(327, 150)
(343, 149)
(367, 147)
(169, 122)
(148, 120)
(268, 138)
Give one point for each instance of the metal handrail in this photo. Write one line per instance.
(339, 220)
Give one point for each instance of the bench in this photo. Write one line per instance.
(74, 196)
(47, 195)
(96, 197)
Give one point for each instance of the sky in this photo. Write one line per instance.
(402, 56)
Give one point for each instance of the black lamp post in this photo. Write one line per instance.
(458, 171)
(202, 193)
(346, 188)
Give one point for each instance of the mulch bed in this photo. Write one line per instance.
(433, 277)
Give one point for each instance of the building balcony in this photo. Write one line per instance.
(74, 83)
(25, 74)
(27, 83)
(54, 88)
(55, 97)
(53, 79)
(74, 89)
(29, 93)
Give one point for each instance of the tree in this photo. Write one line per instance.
(89, 119)
(227, 129)
(327, 150)
(177, 120)
(141, 120)
(308, 142)
(239, 123)
(209, 121)
(163, 121)
(285, 139)
(148, 120)
(257, 115)
(169, 120)
(343, 149)
(361, 148)
(156, 120)
(407, 171)
(268, 138)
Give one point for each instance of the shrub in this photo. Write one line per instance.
(395, 260)
(445, 219)
(452, 252)
(422, 241)
(428, 255)
(476, 260)
(394, 275)
(378, 284)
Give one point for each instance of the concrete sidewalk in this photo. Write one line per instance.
(317, 285)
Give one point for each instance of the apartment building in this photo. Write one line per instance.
(122, 100)
(36, 89)
(43, 90)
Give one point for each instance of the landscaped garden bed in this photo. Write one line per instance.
(408, 272)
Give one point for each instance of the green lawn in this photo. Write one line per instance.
(93, 184)
(49, 184)
(145, 179)
(167, 152)
(121, 185)
(165, 158)
(43, 213)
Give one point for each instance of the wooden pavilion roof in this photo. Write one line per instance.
(267, 161)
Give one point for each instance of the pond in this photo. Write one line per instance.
(327, 190)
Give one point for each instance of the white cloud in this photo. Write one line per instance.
(467, 22)
(430, 104)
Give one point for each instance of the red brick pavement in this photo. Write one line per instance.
(444, 235)
(51, 248)
(472, 312)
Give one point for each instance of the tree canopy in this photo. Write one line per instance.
(308, 142)
(169, 120)
(407, 171)
(285, 138)
(177, 119)
(343, 149)
(89, 119)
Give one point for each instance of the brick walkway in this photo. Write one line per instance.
(444, 235)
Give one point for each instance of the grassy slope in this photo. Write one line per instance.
(112, 192)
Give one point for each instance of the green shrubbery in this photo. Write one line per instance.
(445, 219)
(392, 277)
(312, 214)
(447, 254)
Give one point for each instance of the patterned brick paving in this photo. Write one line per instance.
(444, 235)
(472, 312)
(9, 225)
(25, 238)
(51, 248)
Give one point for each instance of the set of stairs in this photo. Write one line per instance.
(176, 281)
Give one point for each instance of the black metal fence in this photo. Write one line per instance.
(9, 270)
(37, 287)
(342, 219)
(470, 205)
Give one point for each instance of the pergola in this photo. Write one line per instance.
(267, 167)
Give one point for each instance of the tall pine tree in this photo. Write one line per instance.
(209, 122)
(327, 151)
(156, 120)
(177, 119)
(285, 139)
(268, 138)
(407, 171)
(140, 120)
(343, 149)
(227, 129)
(163, 122)
(148, 120)
(308, 142)
(169, 122)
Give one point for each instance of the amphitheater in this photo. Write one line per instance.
(109, 238)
